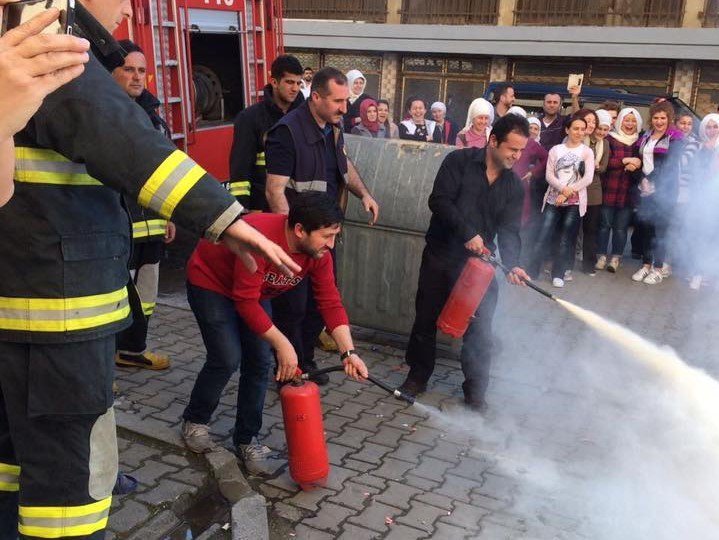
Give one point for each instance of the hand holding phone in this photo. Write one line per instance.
(33, 66)
(16, 13)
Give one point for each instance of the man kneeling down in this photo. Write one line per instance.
(232, 308)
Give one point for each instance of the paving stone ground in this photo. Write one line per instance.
(558, 398)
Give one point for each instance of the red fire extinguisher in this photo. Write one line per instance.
(466, 296)
(306, 447)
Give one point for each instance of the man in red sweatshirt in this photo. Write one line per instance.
(232, 308)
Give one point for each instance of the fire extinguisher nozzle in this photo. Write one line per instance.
(406, 397)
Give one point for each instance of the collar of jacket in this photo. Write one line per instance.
(147, 101)
(105, 48)
(480, 157)
(270, 102)
(312, 131)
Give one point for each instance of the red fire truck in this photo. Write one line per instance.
(207, 60)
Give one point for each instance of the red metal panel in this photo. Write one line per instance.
(211, 149)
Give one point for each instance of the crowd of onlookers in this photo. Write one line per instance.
(591, 178)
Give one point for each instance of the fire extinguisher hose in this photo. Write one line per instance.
(384, 386)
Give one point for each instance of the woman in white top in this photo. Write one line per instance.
(417, 127)
(570, 169)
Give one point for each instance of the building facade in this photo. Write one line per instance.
(449, 50)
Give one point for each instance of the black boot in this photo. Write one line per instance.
(413, 386)
(474, 396)
(309, 367)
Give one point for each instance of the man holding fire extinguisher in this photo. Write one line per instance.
(232, 307)
(475, 197)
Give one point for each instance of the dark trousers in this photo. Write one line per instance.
(230, 344)
(142, 289)
(654, 234)
(590, 230)
(437, 276)
(58, 450)
(568, 220)
(615, 221)
(296, 315)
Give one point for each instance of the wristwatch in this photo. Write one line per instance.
(345, 355)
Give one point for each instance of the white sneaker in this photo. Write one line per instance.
(254, 456)
(695, 283)
(197, 437)
(601, 262)
(568, 275)
(643, 272)
(558, 282)
(666, 270)
(654, 277)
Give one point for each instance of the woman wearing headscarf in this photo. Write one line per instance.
(530, 168)
(595, 139)
(570, 169)
(616, 211)
(447, 128)
(535, 127)
(660, 148)
(703, 221)
(417, 127)
(480, 118)
(369, 125)
(391, 129)
(357, 84)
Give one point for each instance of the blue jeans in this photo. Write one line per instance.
(565, 221)
(230, 344)
(617, 221)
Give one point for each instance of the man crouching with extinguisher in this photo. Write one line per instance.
(475, 197)
(232, 308)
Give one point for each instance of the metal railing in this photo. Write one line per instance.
(600, 12)
(449, 11)
(355, 10)
(711, 14)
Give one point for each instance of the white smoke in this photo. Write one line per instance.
(611, 438)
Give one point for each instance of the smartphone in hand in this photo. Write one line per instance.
(16, 13)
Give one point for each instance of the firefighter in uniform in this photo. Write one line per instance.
(247, 158)
(63, 294)
(149, 230)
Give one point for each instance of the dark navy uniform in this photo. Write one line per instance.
(63, 293)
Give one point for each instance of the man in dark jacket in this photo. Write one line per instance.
(149, 230)
(247, 158)
(475, 197)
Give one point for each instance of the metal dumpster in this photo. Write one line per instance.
(379, 265)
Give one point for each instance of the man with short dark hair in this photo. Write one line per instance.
(247, 157)
(149, 231)
(231, 305)
(307, 75)
(475, 197)
(504, 99)
(552, 132)
(305, 152)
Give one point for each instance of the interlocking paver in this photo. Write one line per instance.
(329, 517)
(398, 495)
(376, 516)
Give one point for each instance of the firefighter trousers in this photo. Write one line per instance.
(58, 448)
(144, 278)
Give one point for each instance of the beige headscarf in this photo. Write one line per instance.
(352, 75)
(617, 132)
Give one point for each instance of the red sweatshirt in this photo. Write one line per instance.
(216, 268)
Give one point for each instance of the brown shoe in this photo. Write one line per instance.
(146, 360)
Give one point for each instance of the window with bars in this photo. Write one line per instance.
(357, 10)
(454, 81)
(450, 11)
(644, 13)
(369, 65)
(711, 14)
(706, 89)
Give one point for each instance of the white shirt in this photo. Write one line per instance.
(648, 156)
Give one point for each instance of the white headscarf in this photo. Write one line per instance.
(711, 117)
(538, 122)
(519, 111)
(438, 105)
(617, 132)
(352, 75)
(477, 107)
(603, 118)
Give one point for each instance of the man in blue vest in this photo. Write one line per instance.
(305, 152)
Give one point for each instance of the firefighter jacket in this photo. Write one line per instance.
(65, 233)
(247, 158)
(148, 226)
